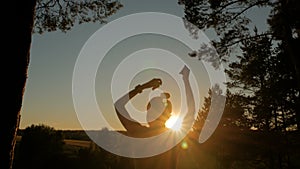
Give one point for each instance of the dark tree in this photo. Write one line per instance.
(267, 81)
(232, 114)
(229, 20)
(202, 114)
(226, 18)
(25, 18)
(285, 27)
(40, 147)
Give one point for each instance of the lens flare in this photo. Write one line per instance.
(174, 123)
(184, 145)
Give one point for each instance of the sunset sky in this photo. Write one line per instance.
(48, 93)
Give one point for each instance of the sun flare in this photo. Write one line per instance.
(174, 123)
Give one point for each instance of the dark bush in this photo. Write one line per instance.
(41, 146)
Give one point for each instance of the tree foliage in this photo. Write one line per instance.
(226, 18)
(40, 144)
(61, 15)
(229, 20)
(264, 62)
(266, 79)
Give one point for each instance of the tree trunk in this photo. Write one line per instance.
(18, 32)
(292, 46)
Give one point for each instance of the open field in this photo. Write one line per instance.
(71, 142)
(78, 143)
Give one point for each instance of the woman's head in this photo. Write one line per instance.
(159, 109)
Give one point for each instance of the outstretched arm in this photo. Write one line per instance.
(123, 115)
(189, 117)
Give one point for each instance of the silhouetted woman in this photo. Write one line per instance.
(159, 109)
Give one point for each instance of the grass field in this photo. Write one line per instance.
(71, 142)
(78, 143)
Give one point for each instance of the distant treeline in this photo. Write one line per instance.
(68, 134)
(228, 148)
(75, 135)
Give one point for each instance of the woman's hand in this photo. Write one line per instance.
(154, 83)
(185, 72)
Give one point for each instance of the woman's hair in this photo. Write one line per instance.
(158, 107)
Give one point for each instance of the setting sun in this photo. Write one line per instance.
(174, 123)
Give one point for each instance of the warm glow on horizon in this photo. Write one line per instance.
(174, 123)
